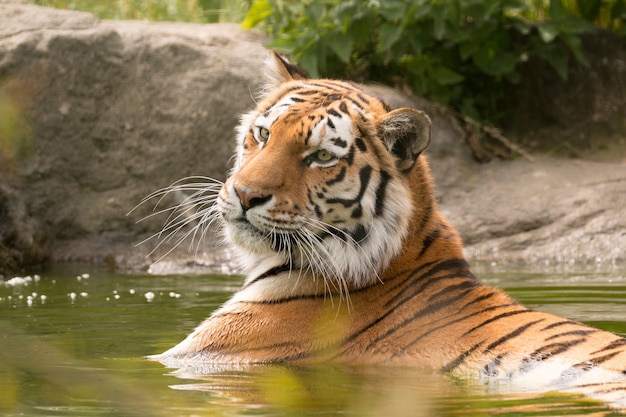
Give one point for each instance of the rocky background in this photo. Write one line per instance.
(95, 115)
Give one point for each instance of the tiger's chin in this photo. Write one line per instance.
(342, 263)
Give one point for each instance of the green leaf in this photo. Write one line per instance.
(494, 61)
(557, 10)
(439, 15)
(467, 49)
(557, 57)
(481, 11)
(589, 9)
(576, 46)
(389, 35)
(393, 10)
(618, 11)
(341, 45)
(308, 62)
(259, 11)
(360, 27)
(547, 31)
(314, 11)
(445, 76)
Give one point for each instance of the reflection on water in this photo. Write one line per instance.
(72, 343)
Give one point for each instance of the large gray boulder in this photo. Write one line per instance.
(116, 111)
(103, 113)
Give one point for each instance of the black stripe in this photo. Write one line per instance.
(511, 335)
(559, 323)
(571, 333)
(554, 349)
(269, 273)
(426, 214)
(360, 143)
(613, 345)
(496, 318)
(459, 268)
(601, 359)
(359, 234)
(391, 310)
(481, 298)
(339, 142)
(491, 369)
(344, 108)
(326, 85)
(356, 103)
(603, 387)
(308, 92)
(451, 288)
(349, 158)
(430, 308)
(338, 178)
(330, 123)
(458, 320)
(334, 112)
(364, 176)
(459, 360)
(380, 192)
(363, 99)
(333, 231)
(307, 137)
(429, 240)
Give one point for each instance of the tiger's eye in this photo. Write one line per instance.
(323, 155)
(264, 133)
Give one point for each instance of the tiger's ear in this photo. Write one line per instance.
(279, 70)
(406, 133)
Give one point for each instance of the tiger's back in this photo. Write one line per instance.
(331, 211)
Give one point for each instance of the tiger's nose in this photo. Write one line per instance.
(250, 199)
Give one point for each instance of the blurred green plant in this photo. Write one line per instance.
(204, 11)
(15, 129)
(465, 54)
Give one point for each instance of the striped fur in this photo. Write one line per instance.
(330, 209)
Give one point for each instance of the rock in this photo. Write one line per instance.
(117, 110)
(103, 113)
(547, 212)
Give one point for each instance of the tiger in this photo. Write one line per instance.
(331, 212)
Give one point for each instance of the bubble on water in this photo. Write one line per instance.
(116, 296)
(83, 294)
(29, 300)
(131, 291)
(72, 296)
(43, 298)
(149, 296)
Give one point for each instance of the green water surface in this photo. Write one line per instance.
(73, 341)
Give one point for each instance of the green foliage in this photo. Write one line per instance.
(462, 53)
(208, 11)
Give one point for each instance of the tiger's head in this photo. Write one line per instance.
(320, 182)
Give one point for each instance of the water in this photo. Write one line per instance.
(82, 354)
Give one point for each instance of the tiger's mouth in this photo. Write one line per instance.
(277, 237)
